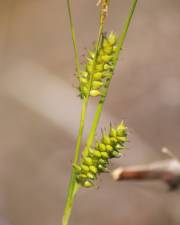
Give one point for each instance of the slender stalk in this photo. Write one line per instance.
(73, 186)
(76, 55)
(102, 99)
(96, 55)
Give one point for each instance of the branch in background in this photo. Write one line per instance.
(166, 170)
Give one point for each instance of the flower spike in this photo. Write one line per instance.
(98, 69)
(96, 159)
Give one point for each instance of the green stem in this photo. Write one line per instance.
(96, 55)
(99, 40)
(73, 186)
(102, 99)
(76, 55)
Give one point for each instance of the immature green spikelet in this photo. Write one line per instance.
(95, 160)
(98, 69)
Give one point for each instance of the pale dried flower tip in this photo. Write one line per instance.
(104, 8)
(99, 2)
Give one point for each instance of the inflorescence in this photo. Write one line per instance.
(99, 67)
(95, 160)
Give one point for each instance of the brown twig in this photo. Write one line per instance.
(166, 170)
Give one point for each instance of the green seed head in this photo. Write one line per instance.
(98, 67)
(95, 160)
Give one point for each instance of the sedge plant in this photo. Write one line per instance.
(93, 82)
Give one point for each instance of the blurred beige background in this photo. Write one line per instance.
(39, 111)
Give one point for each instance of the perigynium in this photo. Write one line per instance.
(94, 81)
